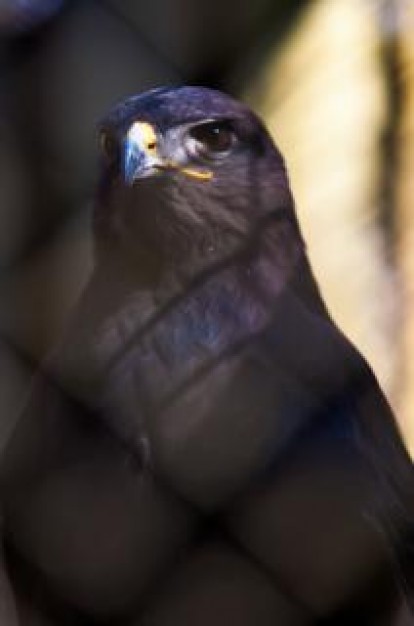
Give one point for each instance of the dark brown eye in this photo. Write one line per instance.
(211, 139)
(109, 146)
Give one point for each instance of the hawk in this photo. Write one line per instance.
(204, 445)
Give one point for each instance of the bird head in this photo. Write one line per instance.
(187, 174)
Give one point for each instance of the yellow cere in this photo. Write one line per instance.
(143, 134)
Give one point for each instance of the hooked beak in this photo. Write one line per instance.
(141, 157)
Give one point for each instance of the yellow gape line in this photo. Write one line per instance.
(197, 174)
(190, 172)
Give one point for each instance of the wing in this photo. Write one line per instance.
(86, 530)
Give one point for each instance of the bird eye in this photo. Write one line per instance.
(212, 139)
(109, 146)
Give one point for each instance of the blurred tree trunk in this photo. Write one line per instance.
(405, 209)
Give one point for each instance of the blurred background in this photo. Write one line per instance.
(334, 81)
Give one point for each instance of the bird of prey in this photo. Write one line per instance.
(204, 445)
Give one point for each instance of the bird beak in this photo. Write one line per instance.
(141, 156)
